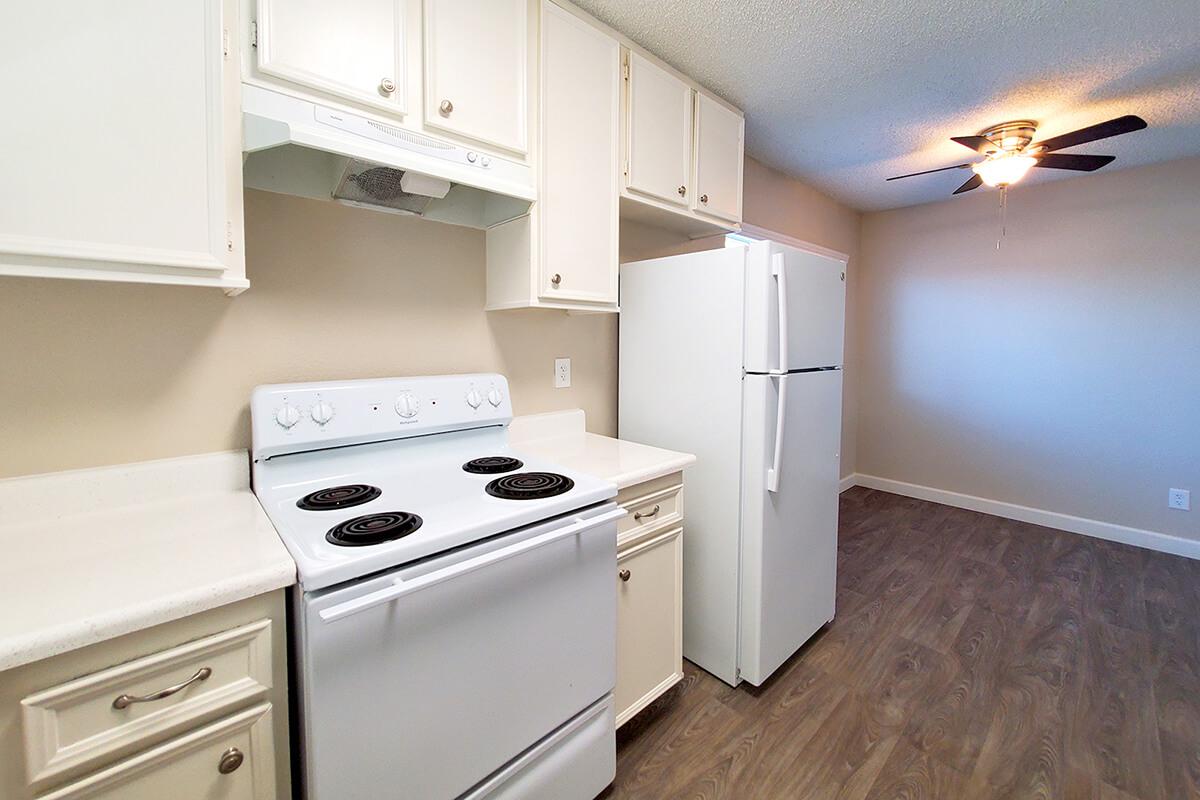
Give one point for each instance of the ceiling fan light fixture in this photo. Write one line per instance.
(1004, 170)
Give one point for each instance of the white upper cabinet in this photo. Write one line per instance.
(122, 142)
(354, 49)
(477, 70)
(658, 133)
(580, 99)
(563, 254)
(719, 133)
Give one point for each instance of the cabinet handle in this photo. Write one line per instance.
(682, 191)
(623, 575)
(446, 107)
(703, 198)
(387, 86)
(556, 279)
(639, 515)
(231, 759)
(126, 700)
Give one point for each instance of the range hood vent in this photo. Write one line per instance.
(293, 146)
(367, 184)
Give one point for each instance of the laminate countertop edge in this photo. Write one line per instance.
(82, 571)
(560, 437)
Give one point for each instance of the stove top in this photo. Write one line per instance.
(490, 465)
(338, 497)
(529, 486)
(347, 511)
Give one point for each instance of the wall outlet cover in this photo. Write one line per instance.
(1180, 499)
(562, 373)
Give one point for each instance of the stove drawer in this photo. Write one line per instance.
(114, 712)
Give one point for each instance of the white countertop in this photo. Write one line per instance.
(561, 437)
(93, 554)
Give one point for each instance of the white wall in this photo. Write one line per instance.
(1061, 372)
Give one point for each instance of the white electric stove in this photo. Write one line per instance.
(455, 624)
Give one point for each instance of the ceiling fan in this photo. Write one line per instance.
(1009, 154)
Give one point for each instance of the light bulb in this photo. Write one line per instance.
(1003, 170)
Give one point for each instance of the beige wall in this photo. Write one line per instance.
(98, 373)
(1061, 372)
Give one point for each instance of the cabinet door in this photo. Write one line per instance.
(354, 49)
(718, 160)
(649, 622)
(231, 759)
(122, 142)
(476, 74)
(580, 108)
(659, 131)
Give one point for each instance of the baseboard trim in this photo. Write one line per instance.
(848, 482)
(1151, 540)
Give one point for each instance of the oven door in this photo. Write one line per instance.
(422, 682)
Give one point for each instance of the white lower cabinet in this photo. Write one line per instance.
(232, 759)
(193, 708)
(649, 595)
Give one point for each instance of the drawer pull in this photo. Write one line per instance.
(640, 516)
(623, 575)
(231, 759)
(126, 700)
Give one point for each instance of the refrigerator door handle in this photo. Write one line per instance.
(780, 416)
(780, 275)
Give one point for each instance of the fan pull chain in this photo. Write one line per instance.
(1003, 215)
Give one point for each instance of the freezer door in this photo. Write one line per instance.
(812, 305)
(789, 535)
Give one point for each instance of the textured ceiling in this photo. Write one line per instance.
(845, 94)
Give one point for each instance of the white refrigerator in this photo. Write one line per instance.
(736, 355)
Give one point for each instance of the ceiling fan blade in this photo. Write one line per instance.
(1102, 130)
(974, 182)
(926, 172)
(1073, 161)
(977, 143)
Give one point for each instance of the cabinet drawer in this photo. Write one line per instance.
(650, 505)
(649, 622)
(109, 714)
(232, 759)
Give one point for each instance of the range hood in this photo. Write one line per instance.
(298, 147)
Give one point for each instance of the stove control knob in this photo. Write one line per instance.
(494, 397)
(322, 412)
(287, 416)
(407, 405)
(473, 399)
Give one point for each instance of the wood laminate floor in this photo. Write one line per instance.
(971, 657)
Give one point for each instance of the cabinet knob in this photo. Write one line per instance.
(703, 198)
(556, 279)
(682, 191)
(446, 107)
(231, 759)
(623, 575)
(387, 86)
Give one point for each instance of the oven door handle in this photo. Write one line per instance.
(401, 587)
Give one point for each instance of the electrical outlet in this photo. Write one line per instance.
(562, 373)
(1179, 498)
